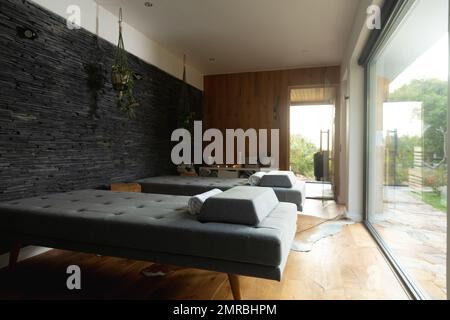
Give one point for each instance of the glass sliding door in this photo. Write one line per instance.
(311, 148)
(406, 178)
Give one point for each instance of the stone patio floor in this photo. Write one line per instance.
(417, 235)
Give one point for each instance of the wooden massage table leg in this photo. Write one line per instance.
(235, 286)
(14, 255)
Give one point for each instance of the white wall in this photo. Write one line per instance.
(352, 182)
(135, 41)
(342, 145)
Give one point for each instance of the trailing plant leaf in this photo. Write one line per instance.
(95, 81)
(187, 120)
(127, 103)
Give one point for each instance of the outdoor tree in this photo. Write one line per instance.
(302, 155)
(432, 93)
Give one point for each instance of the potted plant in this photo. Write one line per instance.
(120, 77)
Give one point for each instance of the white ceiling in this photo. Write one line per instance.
(245, 35)
(425, 22)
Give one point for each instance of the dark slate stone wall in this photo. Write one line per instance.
(53, 135)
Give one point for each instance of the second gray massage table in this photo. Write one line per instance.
(189, 186)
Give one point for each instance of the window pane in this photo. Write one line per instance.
(407, 177)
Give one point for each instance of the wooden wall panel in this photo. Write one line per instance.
(247, 100)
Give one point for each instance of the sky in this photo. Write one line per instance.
(309, 120)
(409, 113)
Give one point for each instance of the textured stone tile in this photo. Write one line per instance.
(49, 139)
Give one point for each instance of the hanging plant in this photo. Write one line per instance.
(122, 78)
(187, 121)
(95, 82)
(186, 117)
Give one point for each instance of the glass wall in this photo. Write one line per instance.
(407, 79)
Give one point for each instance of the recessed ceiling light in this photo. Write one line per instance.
(148, 4)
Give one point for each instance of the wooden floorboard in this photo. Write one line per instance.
(345, 266)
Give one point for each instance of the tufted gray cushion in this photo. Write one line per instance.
(280, 179)
(187, 186)
(150, 222)
(190, 186)
(240, 205)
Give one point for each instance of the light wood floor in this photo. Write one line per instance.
(348, 265)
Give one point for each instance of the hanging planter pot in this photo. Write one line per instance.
(122, 78)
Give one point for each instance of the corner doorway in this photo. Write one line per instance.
(312, 142)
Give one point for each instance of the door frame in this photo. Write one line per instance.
(336, 128)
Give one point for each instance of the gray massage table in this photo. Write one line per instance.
(150, 227)
(189, 186)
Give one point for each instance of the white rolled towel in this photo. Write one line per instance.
(255, 178)
(196, 202)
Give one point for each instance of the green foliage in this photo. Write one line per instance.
(187, 120)
(434, 200)
(302, 155)
(122, 78)
(433, 94)
(123, 83)
(435, 178)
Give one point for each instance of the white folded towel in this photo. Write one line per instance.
(196, 202)
(255, 178)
